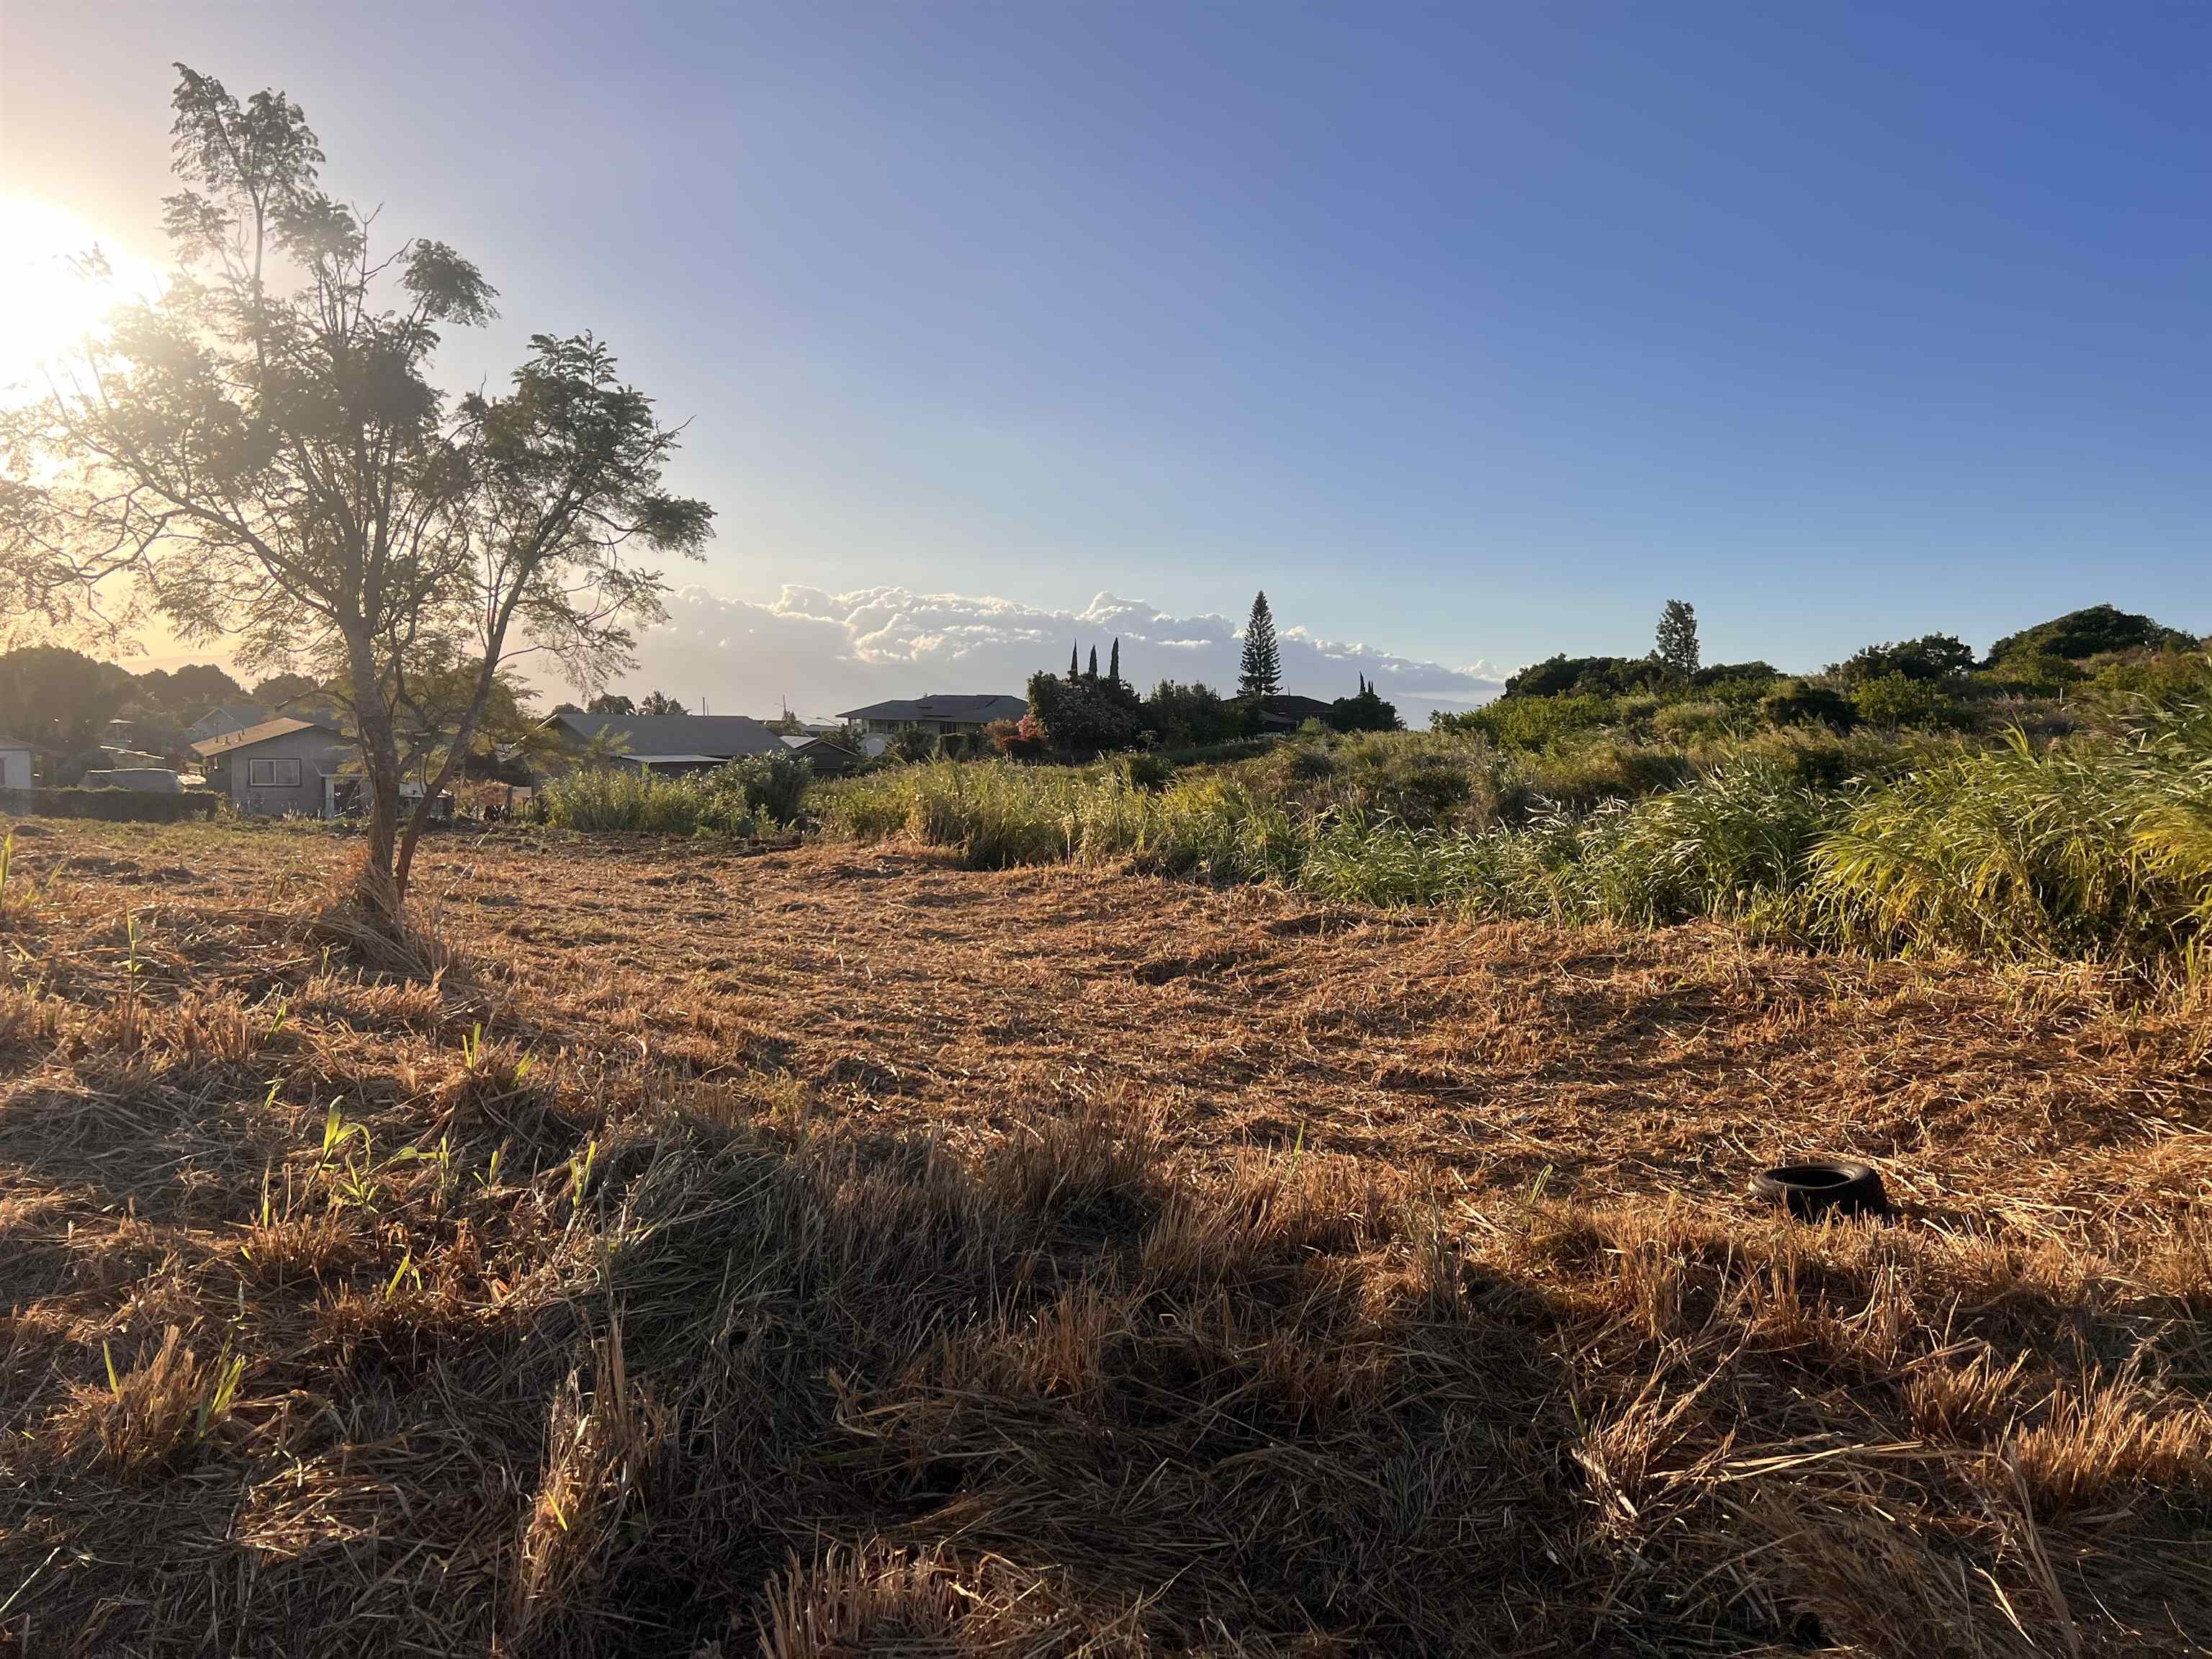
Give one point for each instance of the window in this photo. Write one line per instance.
(272, 775)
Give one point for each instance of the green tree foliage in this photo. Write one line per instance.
(277, 689)
(1193, 716)
(1261, 674)
(610, 702)
(2092, 632)
(772, 786)
(913, 745)
(1898, 700)
(1366, 711)
(1114, 663)
(1557, 676)
(1799, 702)
(659, 702)
(1676, 645)
(1931, 657)
(1090, 674)
(261, 455)
(60, 698)
(1089, 717)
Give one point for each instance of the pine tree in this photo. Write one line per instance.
(1677, 644)
(1114, 663)
(1090, 674)
(1262, 673)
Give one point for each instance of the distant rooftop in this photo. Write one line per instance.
(665, 738)
(973, 707)
(261, 734)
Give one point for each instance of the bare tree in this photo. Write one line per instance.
(261, 455)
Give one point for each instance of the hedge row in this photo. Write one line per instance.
(115, 805)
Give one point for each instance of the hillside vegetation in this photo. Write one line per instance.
(2093, 845)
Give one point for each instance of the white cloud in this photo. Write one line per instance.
(827, 652)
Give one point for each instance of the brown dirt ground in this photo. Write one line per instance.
(1498, 1167)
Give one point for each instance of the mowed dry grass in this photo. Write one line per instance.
(838, 1252)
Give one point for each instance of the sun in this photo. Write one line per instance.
(60, 277)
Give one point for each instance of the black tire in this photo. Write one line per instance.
(1814, 1187)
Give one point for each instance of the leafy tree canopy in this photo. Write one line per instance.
(1676, 642)
(262, 455)
(2090, 633)
(1930, 657)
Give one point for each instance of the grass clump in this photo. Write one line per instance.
(745, 799)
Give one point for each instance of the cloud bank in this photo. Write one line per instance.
(824, 652)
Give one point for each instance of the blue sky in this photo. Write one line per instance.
(1472, 333)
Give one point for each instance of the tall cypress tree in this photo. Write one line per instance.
(1073, 673)
(1262, 674)
(1114, 663)
(1091, 673)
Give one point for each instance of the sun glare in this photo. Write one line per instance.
(53, 288)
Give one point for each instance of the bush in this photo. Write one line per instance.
(1799, 702)
(603, 800)
(1145, 771)
(1897, 700)
(1516, 721)
(2080, 634)
(771, 786)
(1931, 657)
(1194, 716)
(114, 805)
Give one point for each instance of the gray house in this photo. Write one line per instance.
(667, 743)
(941, 714)
(276, 767)
(223, 722)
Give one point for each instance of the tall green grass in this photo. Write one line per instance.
(2094, 850)
(2088, 849)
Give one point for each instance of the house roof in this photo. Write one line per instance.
(237, 717)
(797, 741)
(261, 734)
(975, 707)
(9, 741)
(666, 737)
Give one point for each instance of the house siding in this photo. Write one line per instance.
(317, 752)
(15, 769)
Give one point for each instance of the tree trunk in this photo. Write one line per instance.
(382, 888)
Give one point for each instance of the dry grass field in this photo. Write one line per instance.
(833, 1252)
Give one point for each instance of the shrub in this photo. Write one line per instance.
(2032, 674)
(1145, 771)
(2167, 680)
(604, 800)
(1021, 739)
(1679, 721)
(1515, 721)
(771, 786)
(1931, 657)
(1799, 702)
(1897, 700)
(2092, 632)
(1193, 716)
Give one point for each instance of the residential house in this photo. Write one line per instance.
(942, 714)
(665, 743)
(826, 755)
(276, 767)
(1286, 711)
(222, 722)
